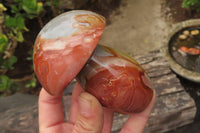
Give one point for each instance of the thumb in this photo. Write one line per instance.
(90, 115)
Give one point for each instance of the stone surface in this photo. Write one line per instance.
(137, 27)
(19, 114)
(191, 128)
(191, 75)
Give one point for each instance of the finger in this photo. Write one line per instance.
(108, 119)
(108, 114)
(50, 110)
(90, 115)
(137, 122)
(74, 103)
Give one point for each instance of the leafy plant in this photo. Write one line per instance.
(15, 26)
(22, 10)
(8, 64)
(12, 25)
(6, 84)
(32, 82)
(13, 17)
(3, 42)
(191, 3)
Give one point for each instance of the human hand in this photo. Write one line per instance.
(86, 115)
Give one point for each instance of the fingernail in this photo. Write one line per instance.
(85, 105)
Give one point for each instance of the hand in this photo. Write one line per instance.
(86, 115)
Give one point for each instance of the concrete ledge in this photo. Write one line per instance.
(174, 65)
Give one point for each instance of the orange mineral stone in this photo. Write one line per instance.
(66, 48)
(117, 80)
(193, 51)
(63, 47)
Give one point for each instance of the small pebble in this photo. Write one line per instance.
(174, 48)
(186, 32)
(181, 52)
(184, 49)
(195, 32)
(193, 51)
(182, 37)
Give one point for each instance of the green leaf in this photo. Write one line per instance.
(48, 3)
(5, 83)
(14, 9)
(10, 22)
(1, 60)
(3, 42)
(9, 63)
(30, 6)
(198, 9)
(39, 7)
(12, 61)
(56, 3)
(20, 23)
(191, 3)
(2, 7)
(15, 23)
(30, 57)
(32, 82)
(18, 1)
(30, 16)
(19, 36)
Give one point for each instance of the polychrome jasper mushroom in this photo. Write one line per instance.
(117, 80)
(66, 48)
(63, 47)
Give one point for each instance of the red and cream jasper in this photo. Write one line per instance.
(62, 51)
(63, 46)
